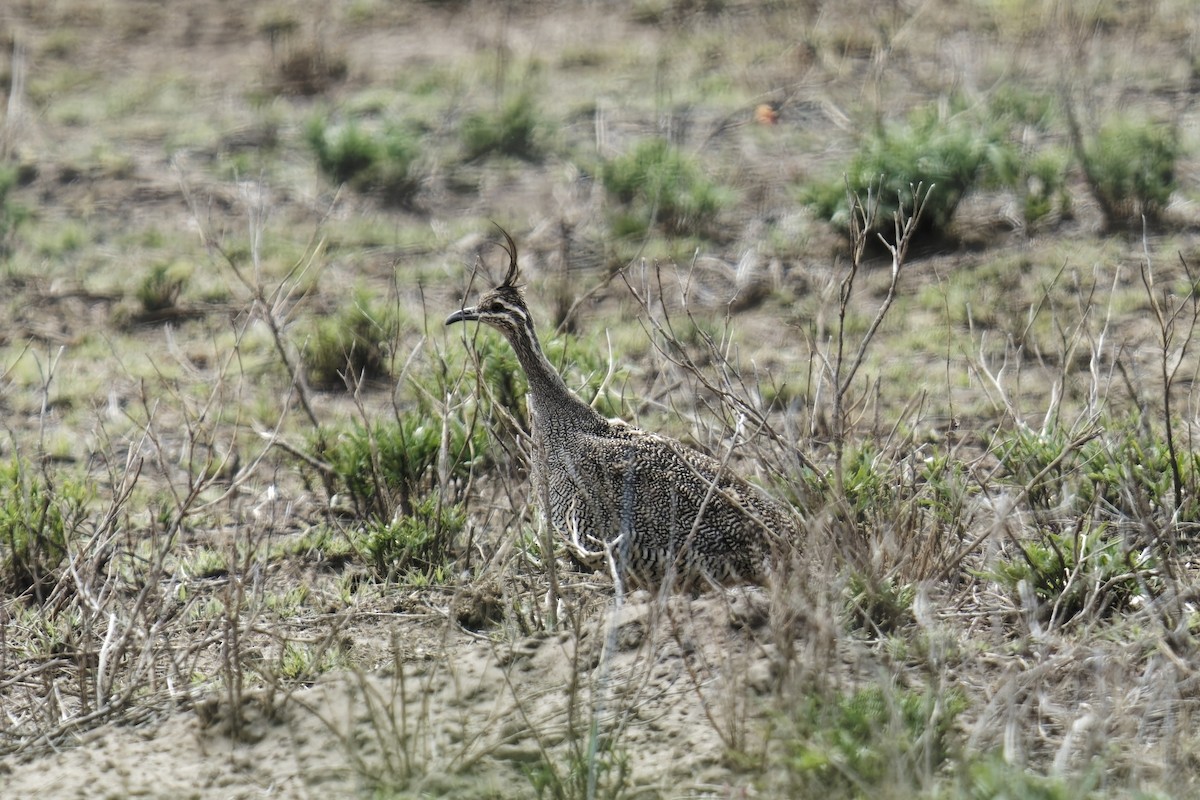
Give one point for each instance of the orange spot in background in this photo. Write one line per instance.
(764, 114)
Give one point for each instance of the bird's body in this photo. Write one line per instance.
(656, 509)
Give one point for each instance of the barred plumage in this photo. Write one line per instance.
(666, 511)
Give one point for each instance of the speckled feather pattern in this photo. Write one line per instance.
(679, 512)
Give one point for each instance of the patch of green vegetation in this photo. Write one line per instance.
(1093, 567)
(515, 130)
(504, 380)
(1040, 461)
(1073, 573)
(160, 288)
(1130, 168)
(869, 741)
(319, 543)
(869, 483)
(418, 545)
(1018, 104)
(1132, 476)
(1042, 186)
(951, 153)
(585, 366)
(350, 346)
(287, 602)
(605, 773)
(38, 516)
(993, 779)
(382, 163)
(206, 563)
(389, 468)
(60, 43)
(879, 605)
(58, 241)
(302, 662)
(12, 213)
(656, 185)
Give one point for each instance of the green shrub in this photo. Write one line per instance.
(852, 745)
(390, 467)
(994, 779)
(1070, 573)
(389, 471)
(583, 366)
(12, 214)
(879, 605)
(1131, 476)
(870, 485)
(955, 154)
(1041, 185)
(1017, 105)
(1130, 167)
(421, 541)
(382, 163)
(582, 772)
(36, 519)
(506, 383)
(1035, 173)
(353, 343)
(514, 131)
(1098, 507)
(1024, 456)
(160, 289)
(655, 184)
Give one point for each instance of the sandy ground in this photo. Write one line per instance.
(653, 679)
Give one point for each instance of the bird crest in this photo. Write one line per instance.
(510, 247)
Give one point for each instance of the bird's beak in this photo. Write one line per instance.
(462, 315)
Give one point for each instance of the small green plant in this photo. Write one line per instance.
(383, 163)
(12, 214)
(1132, 476)
(37, 519)
(321, 543)
(350, 346)
(1019, 105)
(953, 155)
(993, 779)
(514, 130)
(390, 467)
(657, 185)
(1092, 571)
(605, 773)
(1041, 184)
(506, 384)
(882, 605)
(1041, 462)
(207, 563)
(303, 663)
(583, 366)
(870, 486)
(1130, 168)
(853, 745)
(160, 289)
(420, 542)
(1035, 173)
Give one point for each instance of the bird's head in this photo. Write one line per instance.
(504, 306)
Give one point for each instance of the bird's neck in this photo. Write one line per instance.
(549, 398)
